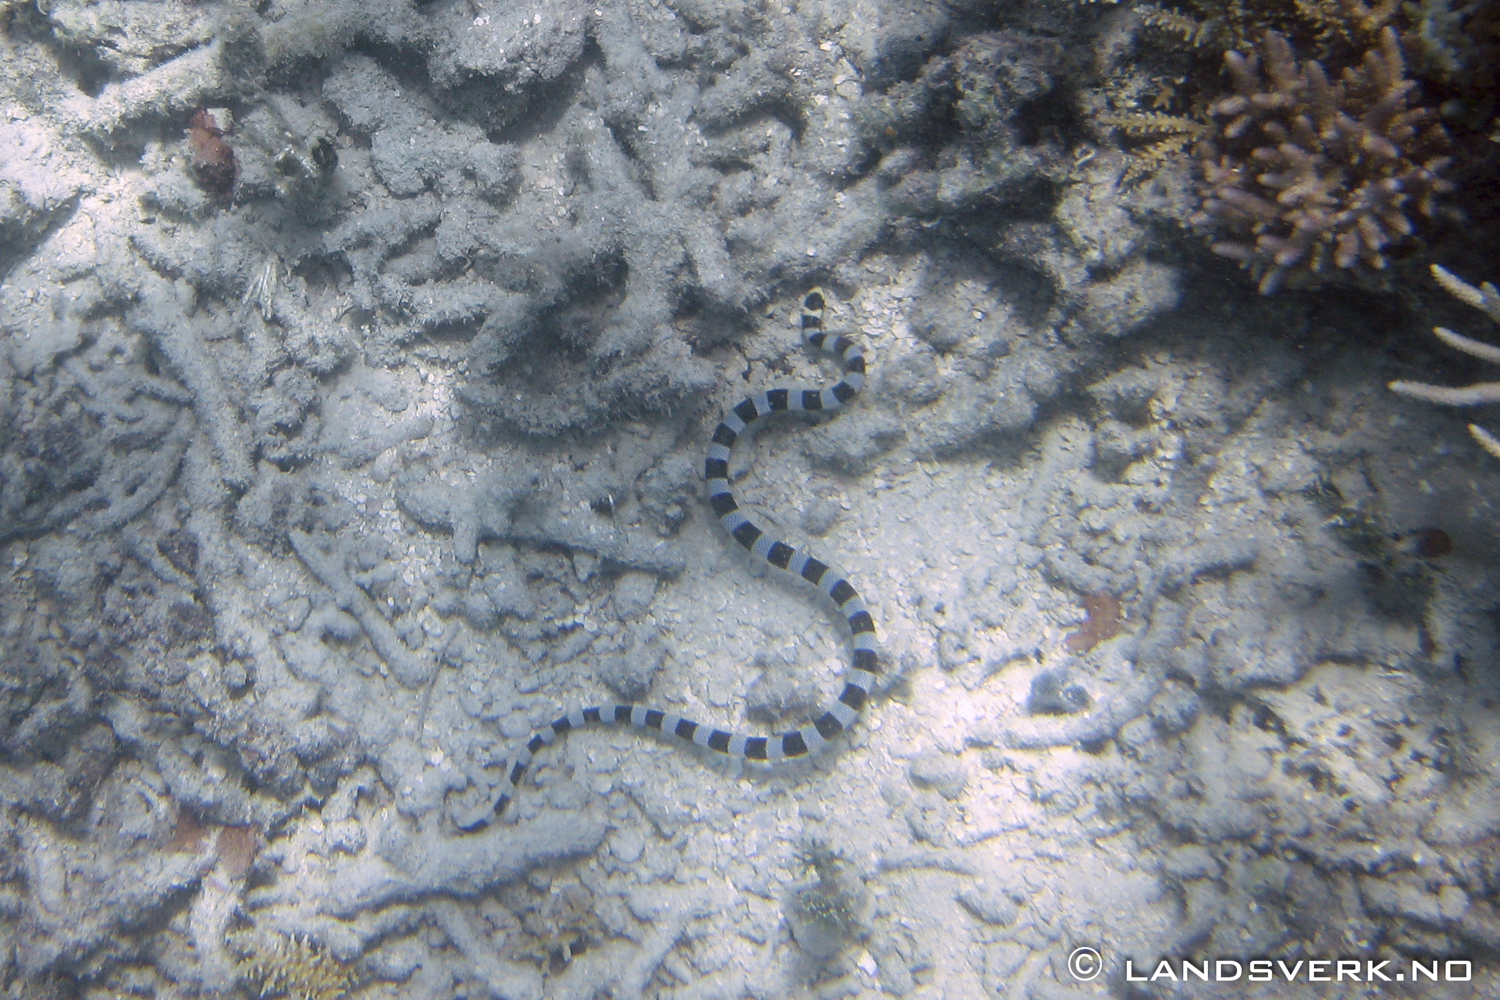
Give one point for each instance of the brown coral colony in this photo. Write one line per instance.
(212, 158)
(1302, 171)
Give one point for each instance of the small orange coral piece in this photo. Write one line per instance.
(1103, 623)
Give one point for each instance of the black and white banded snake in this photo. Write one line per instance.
(837, 715)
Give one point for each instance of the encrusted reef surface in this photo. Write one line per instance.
(356, 366)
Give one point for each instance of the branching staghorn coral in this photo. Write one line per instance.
(1341, 23)
(1486, 299)
(1169, 136)
(1191, 30)
(1457, 42)
(1333, 28)
(1451, 46)
(1303, 171)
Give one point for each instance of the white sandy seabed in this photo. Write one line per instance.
(1190, 644)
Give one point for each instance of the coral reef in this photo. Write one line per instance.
(1457, 42)
(1353, 134)
(1486, 300)
(1303, 172)
(1332, 28)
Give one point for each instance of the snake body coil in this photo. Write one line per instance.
(838, 714)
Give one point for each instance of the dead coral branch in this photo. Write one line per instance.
(1487, 300)
(1304, 172)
